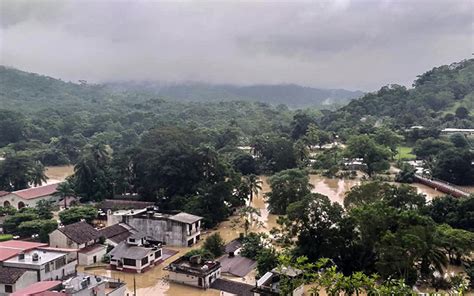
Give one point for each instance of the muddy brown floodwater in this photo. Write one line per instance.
(155, 281)
(57, 174)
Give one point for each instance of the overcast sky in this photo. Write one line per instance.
(332, 44)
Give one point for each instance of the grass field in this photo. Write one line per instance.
(405, 153)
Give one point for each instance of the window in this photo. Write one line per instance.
(144, 261)
(60, 262)
(158, 254)
(8, 289)
(47, 268)
(129, 262)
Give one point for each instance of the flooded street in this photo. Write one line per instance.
(155, 281)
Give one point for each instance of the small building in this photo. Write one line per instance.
(39, 289)
(29, 197)
(138, 253)
(81, 236)
(181, 230)
(194, 272)
(116, 233)
(269, 283)
(13, 279)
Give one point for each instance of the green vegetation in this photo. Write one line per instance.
(5, 237)
(76, 214)
(405, 153)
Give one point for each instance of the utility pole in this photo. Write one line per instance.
(134, 287)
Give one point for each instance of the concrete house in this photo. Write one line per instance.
(83, 238)
(269, 283)
(136, 254)
(194, 271)
(28, 197)
(181, 230)
(24, 263)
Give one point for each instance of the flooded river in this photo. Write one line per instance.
(155, 281)
(58, 174)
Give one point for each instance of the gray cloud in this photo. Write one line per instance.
(337, 44)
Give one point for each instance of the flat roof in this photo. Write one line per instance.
(185, 218)
(44, 256)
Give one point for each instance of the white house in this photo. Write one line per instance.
(136, 254)
(12, 279)
(83, 238)
(194, 272)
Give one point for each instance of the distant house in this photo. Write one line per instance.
(112, 209)
(182, 229)
(136, 254)
(269, 283)
(464, 131)
(194, 272)
(116, 233)
(80, 236)
(28, 197)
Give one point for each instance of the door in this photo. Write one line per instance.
(200, 282)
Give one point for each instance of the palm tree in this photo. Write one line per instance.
(36, 174)
(253, 184)
(246, 218)
(65, 190)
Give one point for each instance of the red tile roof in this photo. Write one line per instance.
(3, 193)
(8, 253)
(36, 192)
(38, 288)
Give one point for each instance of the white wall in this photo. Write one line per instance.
(192, 280)
(88, 259)
(14, 199)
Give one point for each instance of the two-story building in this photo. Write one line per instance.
(24, 263)
(181, 230)
(82, 237)
(138, 253)
(194, 271)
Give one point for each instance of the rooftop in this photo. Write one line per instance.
(116, 233)
(80, 232)
(9, 275)
(43, 257)
(32, 193)
(124, 250)
(185, 218)
(184, 265)
(3, 193)
(117, 204)
(38, 288)
(11, 248)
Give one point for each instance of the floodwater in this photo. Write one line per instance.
(58, 174)
(155, 281)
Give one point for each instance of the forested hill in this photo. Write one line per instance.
(292, 95)
(441, 97)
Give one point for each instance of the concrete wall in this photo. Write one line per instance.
(57, 239)
(28, 278)
(89, 291)
(170, 232)
(14, 199)
(120, 291)
(192, 280)
(88, 259)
